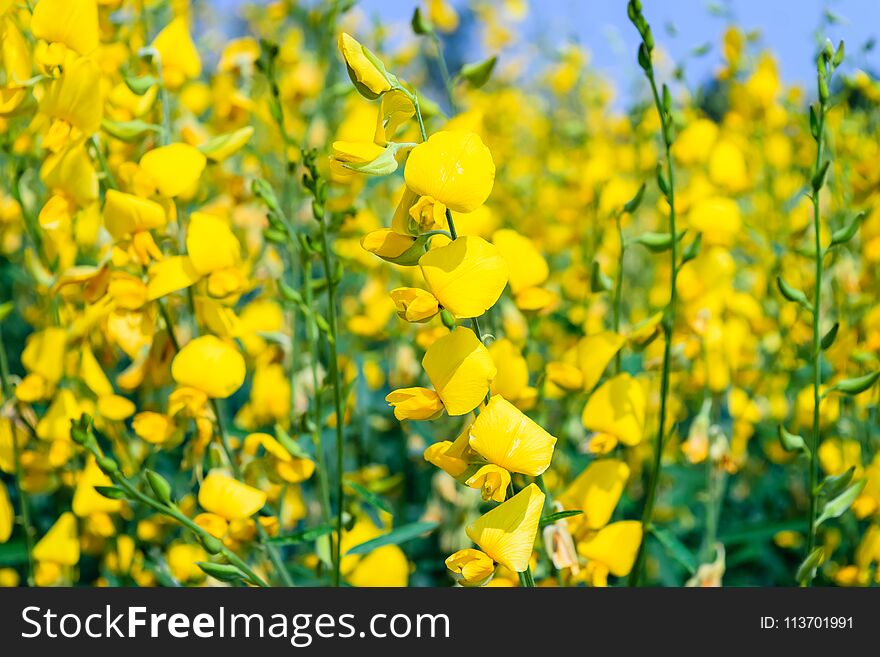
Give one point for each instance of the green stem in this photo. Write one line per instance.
(668, 324)
(444, 71)
(102, 162)
(618, 287)
(451, 223)
(336, 382)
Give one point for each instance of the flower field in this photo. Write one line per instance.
(326, 303)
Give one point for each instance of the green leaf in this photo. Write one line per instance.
(657, 242)
(140, 85)
(555, 517)
(478, 74)
(394, 537)
(791, 442)
(599, 282)
(858, 384)
(633, 204)
(693, 249)
(833, 485)
(111, 492)
(128, 130)
(370, 497)
(792, 293)
(302, 536)
(677, 550)
(807, 570)
(420, 24)
(838, 506)
(12, 553)
(828, 338)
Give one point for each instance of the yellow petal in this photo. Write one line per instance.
(467, 275)
(61, 543)
(7, 514)
(460, 369)
(617, 407)
(385, 566)
(115, 407)
(44, 353)
(507, 532)
(413, 304)
(594, 352)
(415, 403)
(153, 427)
(229, 498)
(75, 98)
(614, 546)
(92, 374)
(86, 500)
(125, 214)
(513, 371)
(528, 268)
(505, 436)
(596, 491)
(210, 365)
(472, 566)
(174, 168)
(210, 243)
(365, 70)
(492, 482)
(295, 470)
(454, 167)
(169, 275)
(71, 22)
(179, 56)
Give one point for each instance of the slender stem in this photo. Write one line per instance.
(618, 287)
(668, 324)
(452, 232)
(26, 525)
(336, 382)
(102, 162)
(815, 350)
(444, 71)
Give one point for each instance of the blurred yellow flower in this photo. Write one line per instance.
(210, 365)
(229, 498)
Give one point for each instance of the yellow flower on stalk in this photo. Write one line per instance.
(415, 403)
(179, 58)
(60, 545)
(507, 532)
(454, 168)
(460, 369)
(392, 246)
(594, 352)
(86, 500)
(596, 491)
(352, 152)
(467, 275)
(414, 305)
(15, 64)
(492, 482)
(73, 105)
(7, 515)
(471, 567)
(209, 365)
(528, 268)
(617, 407)
(174, 168)
(502, 434)
(155, 428)
(229, 498)
(73, 23)
(614, 546)
(427, 214)
(367, 72)
(127, 214)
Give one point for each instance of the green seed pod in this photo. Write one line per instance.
(857, 385)
(108, 466)
(161, 487)
(828, 338)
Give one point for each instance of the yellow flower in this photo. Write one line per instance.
(179, 57)
(596, 491)
(73, 104)
(60, 545)
(174, 168)
(126, 214)
(15, 62)
(392, 246)
(505, 436)
(153, 427)
(528, 268)
(229, 498)
(614, 546)
(472, 567)
(415, 403)
(460, 369)
(169, 275)
(86, 500)
(71, 22)
(453, 167)
(426, 214)
(366, 71)
(115, 407)
(565, 375)
(467, 275)
(44, 353)
(617, 407)
(507, 532)
(7, 515)
(414, 305)
(594, 352)
(211, 244)
(210, 365)
(492, 481)
(183, 561)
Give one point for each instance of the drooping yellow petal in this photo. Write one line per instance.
(179, 56)
(617, 407)
(71, 22)
(115, 407)
(467, 275)
(169, 275)
(61, 543)
(125, 214)
(460, 369)
(44, 353)
(75, 98)
(55, 423)
(614, 546)
(502, 434)
(366, 71)
(174, 168)
(596, 491)
(413, 304)
(471, 566)
(92, 374)
(492, 482)
(210, 243)
(86, 500)
(507, 532)
(211, 365)
(454, 167)
(229, 498)
(594, 352)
